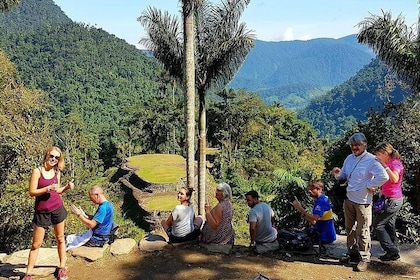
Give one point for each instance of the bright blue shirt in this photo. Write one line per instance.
(104, 217)
(325, 224)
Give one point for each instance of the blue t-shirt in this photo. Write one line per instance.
(325, 224)
(104, 217)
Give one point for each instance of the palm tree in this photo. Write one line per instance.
(189, 82)
(165, 41)
(395, 43)
(222, 44)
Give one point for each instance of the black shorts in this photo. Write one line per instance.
(192, 236)
(52, 218)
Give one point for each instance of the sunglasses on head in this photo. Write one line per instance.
(56, 157)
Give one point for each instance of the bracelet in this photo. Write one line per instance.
(387, 168)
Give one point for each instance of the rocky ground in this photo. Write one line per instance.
(194, 262)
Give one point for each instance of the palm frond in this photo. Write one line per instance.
(395, 43)
(286, 177)
(222, 43)
(164, 39)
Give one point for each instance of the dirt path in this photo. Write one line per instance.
(193, 262)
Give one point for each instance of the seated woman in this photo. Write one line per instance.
(182, 225)
(218, 228)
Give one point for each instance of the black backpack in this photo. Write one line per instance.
(297, 240)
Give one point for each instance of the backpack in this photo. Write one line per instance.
(114, 232)
(297, 240)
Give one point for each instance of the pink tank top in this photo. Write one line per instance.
(47, 202)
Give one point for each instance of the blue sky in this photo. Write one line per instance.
(272, 20)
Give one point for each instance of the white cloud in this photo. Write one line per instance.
(306, 37)
(288, 34)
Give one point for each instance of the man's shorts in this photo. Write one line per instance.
(52, 218)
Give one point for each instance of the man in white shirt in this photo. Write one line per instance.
(364, 175)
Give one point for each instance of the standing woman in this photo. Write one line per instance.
(218, 228)
(182, 225)
(384, 222)
(49, 209)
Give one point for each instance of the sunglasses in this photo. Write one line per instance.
(56, 157)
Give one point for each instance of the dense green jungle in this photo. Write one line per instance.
(102, 100)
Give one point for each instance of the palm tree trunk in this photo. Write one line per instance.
(418, 24)
(202, 153)
(189, 74)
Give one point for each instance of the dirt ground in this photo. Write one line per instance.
(193, 262)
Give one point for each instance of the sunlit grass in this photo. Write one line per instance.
(158, 168)
(161, 201)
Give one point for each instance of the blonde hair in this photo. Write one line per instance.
(387, 148)
(60, 164)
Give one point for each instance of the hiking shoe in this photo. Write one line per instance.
(355, 257)
(362, 266)
(345, 259)
(62, 274)
(389, 257)
(27, 277)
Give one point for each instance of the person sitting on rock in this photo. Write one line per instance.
(260, 218)
(321, 217)
(218, 227)
(101, 223)
(182, 225)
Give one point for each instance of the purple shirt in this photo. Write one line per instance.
(47, 202)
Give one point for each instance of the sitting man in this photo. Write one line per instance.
(260, 218)
(102, 222)
(322, 216)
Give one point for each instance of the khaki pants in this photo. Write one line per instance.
(358, 219)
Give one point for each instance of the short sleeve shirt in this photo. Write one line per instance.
(104, 217)
(261, 214)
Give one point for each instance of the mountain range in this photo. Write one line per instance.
(324, 80)
(292, 72)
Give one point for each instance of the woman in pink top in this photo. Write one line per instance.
(384, 221)
(49, 210)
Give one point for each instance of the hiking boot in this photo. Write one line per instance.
(345, 259)
(362, 266)
(27, 277)
(389, 257)
(62, 274)
(355, 257)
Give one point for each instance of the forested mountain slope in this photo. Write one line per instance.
(30, 14)
(335, 112)
(86, 70)
(294, 71)
(83, 69)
